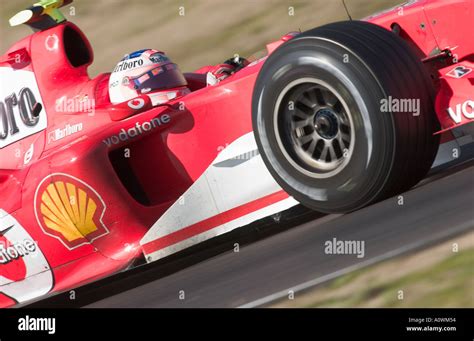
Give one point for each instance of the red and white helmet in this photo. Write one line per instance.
(148, 72)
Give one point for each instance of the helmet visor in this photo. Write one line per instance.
(162, 77)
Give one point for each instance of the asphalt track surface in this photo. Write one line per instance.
(269, 264)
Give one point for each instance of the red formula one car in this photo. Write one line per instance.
(146, 161)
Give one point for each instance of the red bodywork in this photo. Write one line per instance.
(116, 196)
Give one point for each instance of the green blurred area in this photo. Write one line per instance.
(209, 32)
(448, 283)
(435, 277)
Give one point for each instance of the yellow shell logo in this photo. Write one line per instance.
(69, 210)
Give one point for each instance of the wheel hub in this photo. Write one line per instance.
(326, 124)
(314, 128)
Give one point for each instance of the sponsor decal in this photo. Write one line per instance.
(459, 71)
(144, 78)
(24, 270)
(21, 111)
(11, 252)
(466, 109)
(128, 65)
(158, 58)
(136, 103)
(60, 133)
(137, 130)
(52, 42)
(28, 155)
(69, 210)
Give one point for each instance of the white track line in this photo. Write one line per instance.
(333, 275)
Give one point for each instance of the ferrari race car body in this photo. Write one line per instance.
(88, 187)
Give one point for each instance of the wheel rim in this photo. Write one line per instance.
(314, 128)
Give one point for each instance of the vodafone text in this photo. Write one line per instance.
(137, 130)
(466, 109)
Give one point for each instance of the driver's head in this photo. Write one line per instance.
(147, 72)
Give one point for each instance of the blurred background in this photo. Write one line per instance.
(203, 32)
(192, 32)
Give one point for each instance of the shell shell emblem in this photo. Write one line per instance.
(70, 210)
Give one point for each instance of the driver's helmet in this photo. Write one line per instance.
(148, 72)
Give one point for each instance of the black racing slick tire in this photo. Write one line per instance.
(343, 116)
